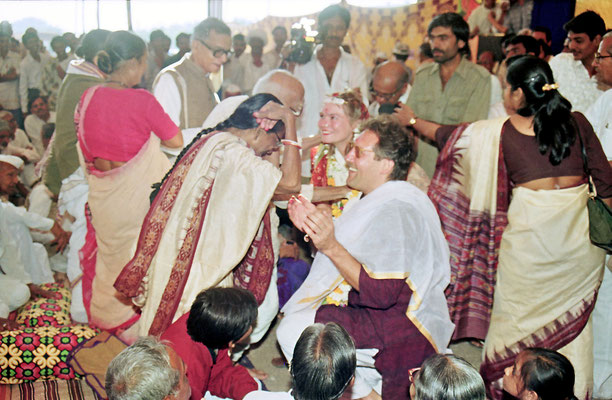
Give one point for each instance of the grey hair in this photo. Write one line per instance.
(202, 30)
(142, 371)
(265, 84)
(447, 377)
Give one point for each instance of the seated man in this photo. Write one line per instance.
(21, 258)
(390, 249)
(147, 370)
(323, 365)
(220, 319)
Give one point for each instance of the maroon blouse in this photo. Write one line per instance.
(525, 163)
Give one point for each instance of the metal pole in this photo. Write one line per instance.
(128, 4)
(215, 8)
(98, 12)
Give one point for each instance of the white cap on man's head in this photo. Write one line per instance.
(14, 161)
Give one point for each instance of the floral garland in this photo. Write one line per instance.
(336, 173)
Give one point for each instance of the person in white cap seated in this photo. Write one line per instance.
(255, 66)
(21, 258)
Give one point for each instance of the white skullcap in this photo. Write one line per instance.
(14, 161)
(223, 111)
(258, 33)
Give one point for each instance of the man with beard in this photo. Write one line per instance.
(389, 247)
(574, 71)
(450, 90)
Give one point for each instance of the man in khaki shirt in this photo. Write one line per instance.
(451, 90)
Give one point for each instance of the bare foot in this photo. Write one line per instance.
(61, 278)
(36, 290)
(8, 325)
(257, 374)
(278, 362)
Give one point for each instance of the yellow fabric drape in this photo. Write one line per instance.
(372, 30)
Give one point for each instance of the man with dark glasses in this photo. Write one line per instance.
(184, 89)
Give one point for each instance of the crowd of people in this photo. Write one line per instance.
(433, 206)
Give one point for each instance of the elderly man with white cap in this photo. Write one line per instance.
(254, 66)
(20, 257)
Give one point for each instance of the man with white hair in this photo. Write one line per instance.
(256, 65)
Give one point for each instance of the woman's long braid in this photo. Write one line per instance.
(157, 186)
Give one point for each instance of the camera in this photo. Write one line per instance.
(302, 42)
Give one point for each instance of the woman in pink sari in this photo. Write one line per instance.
(119, 131)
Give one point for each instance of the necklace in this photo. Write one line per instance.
(123, 85)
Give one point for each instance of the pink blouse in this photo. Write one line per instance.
(118, 122)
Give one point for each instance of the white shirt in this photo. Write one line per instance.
(600, 116)
(167, 94)
(9, 91)
(251, 73)
(232, 70)
(21, 145)
(19, 259)
(574, 81)
(350, 73)
(273, 58)
(30, 76)
(480, 18)
(33, 127)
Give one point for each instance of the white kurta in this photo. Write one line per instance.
(22, 259)
(574, 81)
(13, 294)
(33, 127)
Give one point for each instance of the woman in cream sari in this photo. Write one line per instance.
(533, 251)
(119, 133)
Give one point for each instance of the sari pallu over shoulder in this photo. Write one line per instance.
(470, 190)
(198, 181)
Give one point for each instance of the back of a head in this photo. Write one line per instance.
(221, 315)
(588, 22)
(529, 43)
(142, 371)
(553, 123)
(425, 48)
(202, 30)
(456, 23)
(548, 373)
(243, 117)
(92, 43)
(324, 362)
(447, 377)
(120, 46)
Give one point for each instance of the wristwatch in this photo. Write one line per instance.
(412, 121)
